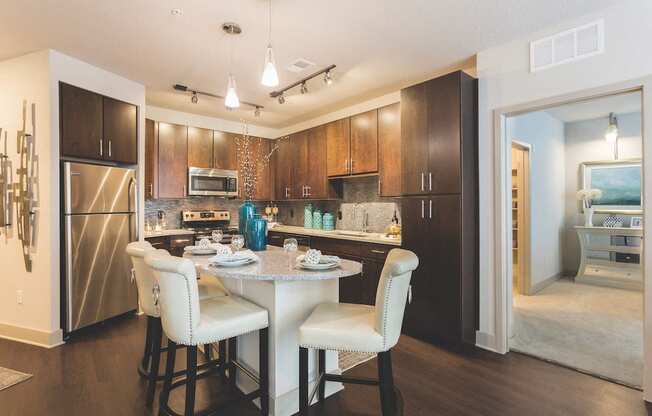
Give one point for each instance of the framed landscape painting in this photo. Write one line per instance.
(620, 182)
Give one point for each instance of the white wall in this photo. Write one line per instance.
(547, 182)
(36, 77)
(26, 78)
(505, 81)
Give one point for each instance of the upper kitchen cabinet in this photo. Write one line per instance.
(338, 140)
(151, 159)
(364, 143)
(97, 127)
(263, 191)
(389, 150)
(282, 163)
(173, 159)
(200, 148)
(436, 116)
(225, 150)
(299, 163)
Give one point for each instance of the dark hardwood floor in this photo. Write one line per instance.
(95, 374)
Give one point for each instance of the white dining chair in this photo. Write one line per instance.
(189, 321)
(359, 328)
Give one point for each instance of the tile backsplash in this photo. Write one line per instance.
(360, 196)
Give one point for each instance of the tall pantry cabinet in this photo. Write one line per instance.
(440, 207)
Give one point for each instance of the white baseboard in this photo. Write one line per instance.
(545, 283)
(485, 341)
(31, 336)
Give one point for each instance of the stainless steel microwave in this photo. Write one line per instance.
(212, 182)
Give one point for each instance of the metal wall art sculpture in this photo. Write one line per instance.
(6, 187)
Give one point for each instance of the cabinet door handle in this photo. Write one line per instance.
(109, 147)
(346, 165)
(181, 241)
(101, 147)
(423, 209)
(309, 190)
(378, 251)
(151, 189)
(423, 181)
(184, 190)
(430, 208)
(430, 181)
(409, 294)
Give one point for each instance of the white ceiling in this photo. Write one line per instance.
(597, 108)
(377, 45)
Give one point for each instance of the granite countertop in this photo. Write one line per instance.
(275, 265)
(165, 233)
(378, 238)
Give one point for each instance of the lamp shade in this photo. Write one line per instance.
(270, 76)
(231, 99)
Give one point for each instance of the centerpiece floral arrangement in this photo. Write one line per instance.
(588, 196)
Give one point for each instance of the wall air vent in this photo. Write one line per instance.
(300, 65)
(567, 46)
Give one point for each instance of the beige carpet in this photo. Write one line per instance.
(10, 378)
(594, 329)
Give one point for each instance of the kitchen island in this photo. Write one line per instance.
(289, 294)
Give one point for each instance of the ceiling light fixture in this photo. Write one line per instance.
(611, 133)
(303, 82)
(328, 79)
(270, 75)
(194, 99)
(231, 100)
(281, 99)
(194, 92)
(176, 12)
(257, 111)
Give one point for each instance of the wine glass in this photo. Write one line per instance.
(237, 242)
(290, 246)
(217, 235)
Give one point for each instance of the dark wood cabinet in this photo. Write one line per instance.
(172, 160)
(364, 143)
(338, 140)
(120, 127)
(200, 148)
(151, 159)
(263, 191)
(389, 150)
(97, 127)
(225, 150)
(174, 244)
(282, 161)
(299, 162)
(440, 220)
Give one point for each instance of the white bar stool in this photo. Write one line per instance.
(145, 283)
(359, 328)
(188, 321)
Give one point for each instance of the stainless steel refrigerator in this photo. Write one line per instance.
(99, 220)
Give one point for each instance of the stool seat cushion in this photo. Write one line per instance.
(342, 327)
(226, 317)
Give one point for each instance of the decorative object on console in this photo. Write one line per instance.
(588, 196)
(307, 216)
(637, 222)
(256, 233)
(613, 221)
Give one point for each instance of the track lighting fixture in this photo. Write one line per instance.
(196, 93)
(281, 99)
(611, 133)
(328, 79)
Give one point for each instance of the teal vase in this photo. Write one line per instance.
(246, 211)
(307, 216)
(256, 236)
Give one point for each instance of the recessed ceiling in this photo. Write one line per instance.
(377, 45)
(598, 107)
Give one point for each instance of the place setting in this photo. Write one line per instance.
(233, 256)
(315, 260)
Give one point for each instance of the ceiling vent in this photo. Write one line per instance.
(568, 46)
(300, 65)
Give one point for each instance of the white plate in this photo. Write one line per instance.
(195, 250)
(320, 266)
(233, 263)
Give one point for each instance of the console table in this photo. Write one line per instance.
(608, 263)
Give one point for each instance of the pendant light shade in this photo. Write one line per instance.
(231, 99)
(611, 133)
(270, 76)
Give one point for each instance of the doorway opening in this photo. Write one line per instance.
(576, 236)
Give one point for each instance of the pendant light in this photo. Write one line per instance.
(231, 99)
(270, 75)
(611, 133)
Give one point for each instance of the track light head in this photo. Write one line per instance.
(328, 79)
(257, 112)
(194, 99)
(281, 99)
(304, 88)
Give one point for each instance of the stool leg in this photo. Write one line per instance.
(221, 350)
(322, 370)
(191, 379)
(156, 334)
(386, 379)
(303, 382)
(169, 375)
(148, 344)
(233, 356)
(207, 352)
(263, 364)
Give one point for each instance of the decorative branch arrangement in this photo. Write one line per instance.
(251, 160)
(588, 196)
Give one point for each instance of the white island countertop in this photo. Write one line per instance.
(378, 238)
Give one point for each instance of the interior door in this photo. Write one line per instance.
(120, 131)
(364, 143)
(98, 270)
(414, 140)
(81, 123)
(338, 141)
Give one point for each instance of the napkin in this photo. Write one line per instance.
(238, 255)
(221, 248)
(204, 242)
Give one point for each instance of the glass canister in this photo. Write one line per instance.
(307, 216)
(246, 211)
(317, 219)
(328, 221)
(256, 233)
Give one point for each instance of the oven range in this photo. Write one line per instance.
(203, 223)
